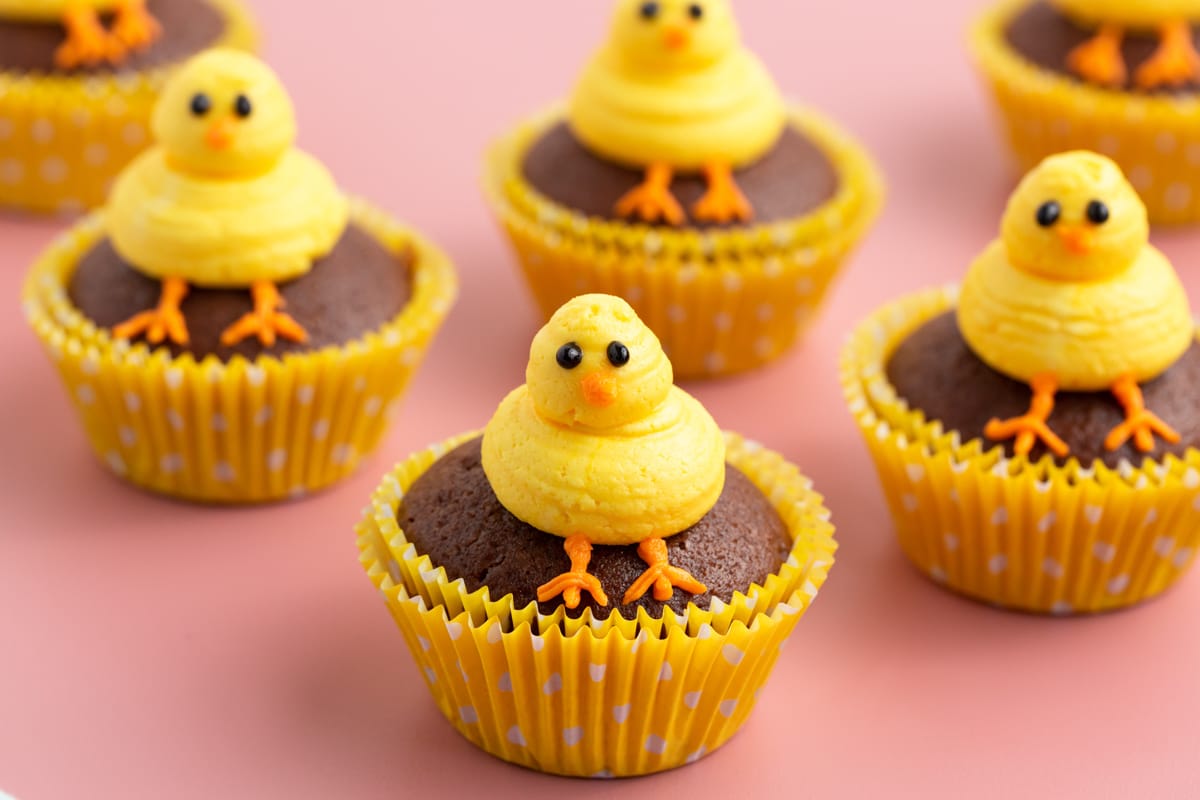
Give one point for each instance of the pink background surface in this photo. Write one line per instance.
(154, 649)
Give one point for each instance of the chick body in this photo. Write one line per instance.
(1137, 14)
(50, 10)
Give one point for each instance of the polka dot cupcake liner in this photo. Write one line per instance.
(1027, 535)
(64, 138)
(241, 431)
(587, 697)
(720, 301)
(1155, 139)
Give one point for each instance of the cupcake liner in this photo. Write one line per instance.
(588, 697)
(1155, 138)
(721, 301)
(1028, 535)
(63, 138)
(240, 431)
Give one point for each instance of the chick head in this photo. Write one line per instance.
(674, 35)
(596, 365)
(224, 113)
(1075, 218)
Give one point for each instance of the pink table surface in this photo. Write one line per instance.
(154, 649)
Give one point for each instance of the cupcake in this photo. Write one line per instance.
(1036, 432)
(233, 328)
(679, 178)
(1118, 76)
(78, 82)
(600, 583)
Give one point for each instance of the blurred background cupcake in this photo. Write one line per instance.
(571, 619)
(1036, 433)
(233, 328)
(679, 178)
(1119, 77)
(78, 81)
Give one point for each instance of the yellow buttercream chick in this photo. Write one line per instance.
(1099, 60)
(599, 446)
(1073, 296)
(673, 90)
(224, 200)
(88, 43)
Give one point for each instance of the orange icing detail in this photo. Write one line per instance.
(1175, 62)
(599, 389)
(1099, 59)
(87, 42)
(1032, 425)
(134, 29)
(265, 320)
(1139, 423)
(165, 321)
(660, 574)
(571, 584)
(653, 200)
(724, 201)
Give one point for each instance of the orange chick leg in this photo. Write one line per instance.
(135, 29)
(1031, 426)
(1175, 62)
(87, 42)
(1099, 59)
(724, 201)
(572, 584)
(266, 320)
(1139, 423)
(652, 200)
(165, 321)
(660, 574)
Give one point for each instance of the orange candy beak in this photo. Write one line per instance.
(1077, 240)
(676, 38)
(220, 134)
(599, 389)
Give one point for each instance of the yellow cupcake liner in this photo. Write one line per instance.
(1155, 138)
(64, 138)
(721, 301)
(241, 431)
(588, 697)
(1034, 536)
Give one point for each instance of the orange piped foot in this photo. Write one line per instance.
(1175, 63)
(1139, 423)
(572, 584)
(166, 321)
(87, 44)
(661, 575)
(1031, 427)
(653, 201)
(266, 320)
(134, 29)
(1099, 59)
(724, 201)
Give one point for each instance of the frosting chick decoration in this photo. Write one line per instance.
(1100, 60)
(88, 43)
(1073, 297)
(600, 447)
(224, 200)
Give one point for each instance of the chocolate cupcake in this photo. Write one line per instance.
(233, 328)
(599, 584)
(722, 222)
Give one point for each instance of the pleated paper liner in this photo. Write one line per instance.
(1155, 138)
(721, 301)
(588, 697)
(238, 432)
(1027, 535)
(63, 138)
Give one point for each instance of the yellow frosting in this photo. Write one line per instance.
(640, 101)
(650, 462)
(1131, 13)
(225, 200)
(42, 10)
(1032, 305)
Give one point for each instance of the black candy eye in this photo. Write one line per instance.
(201, 104)
(618, 354)
(649, 11)
(242, 106)
(569, 356)
(1048, 213)
(1097, 212)
(696, 11)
